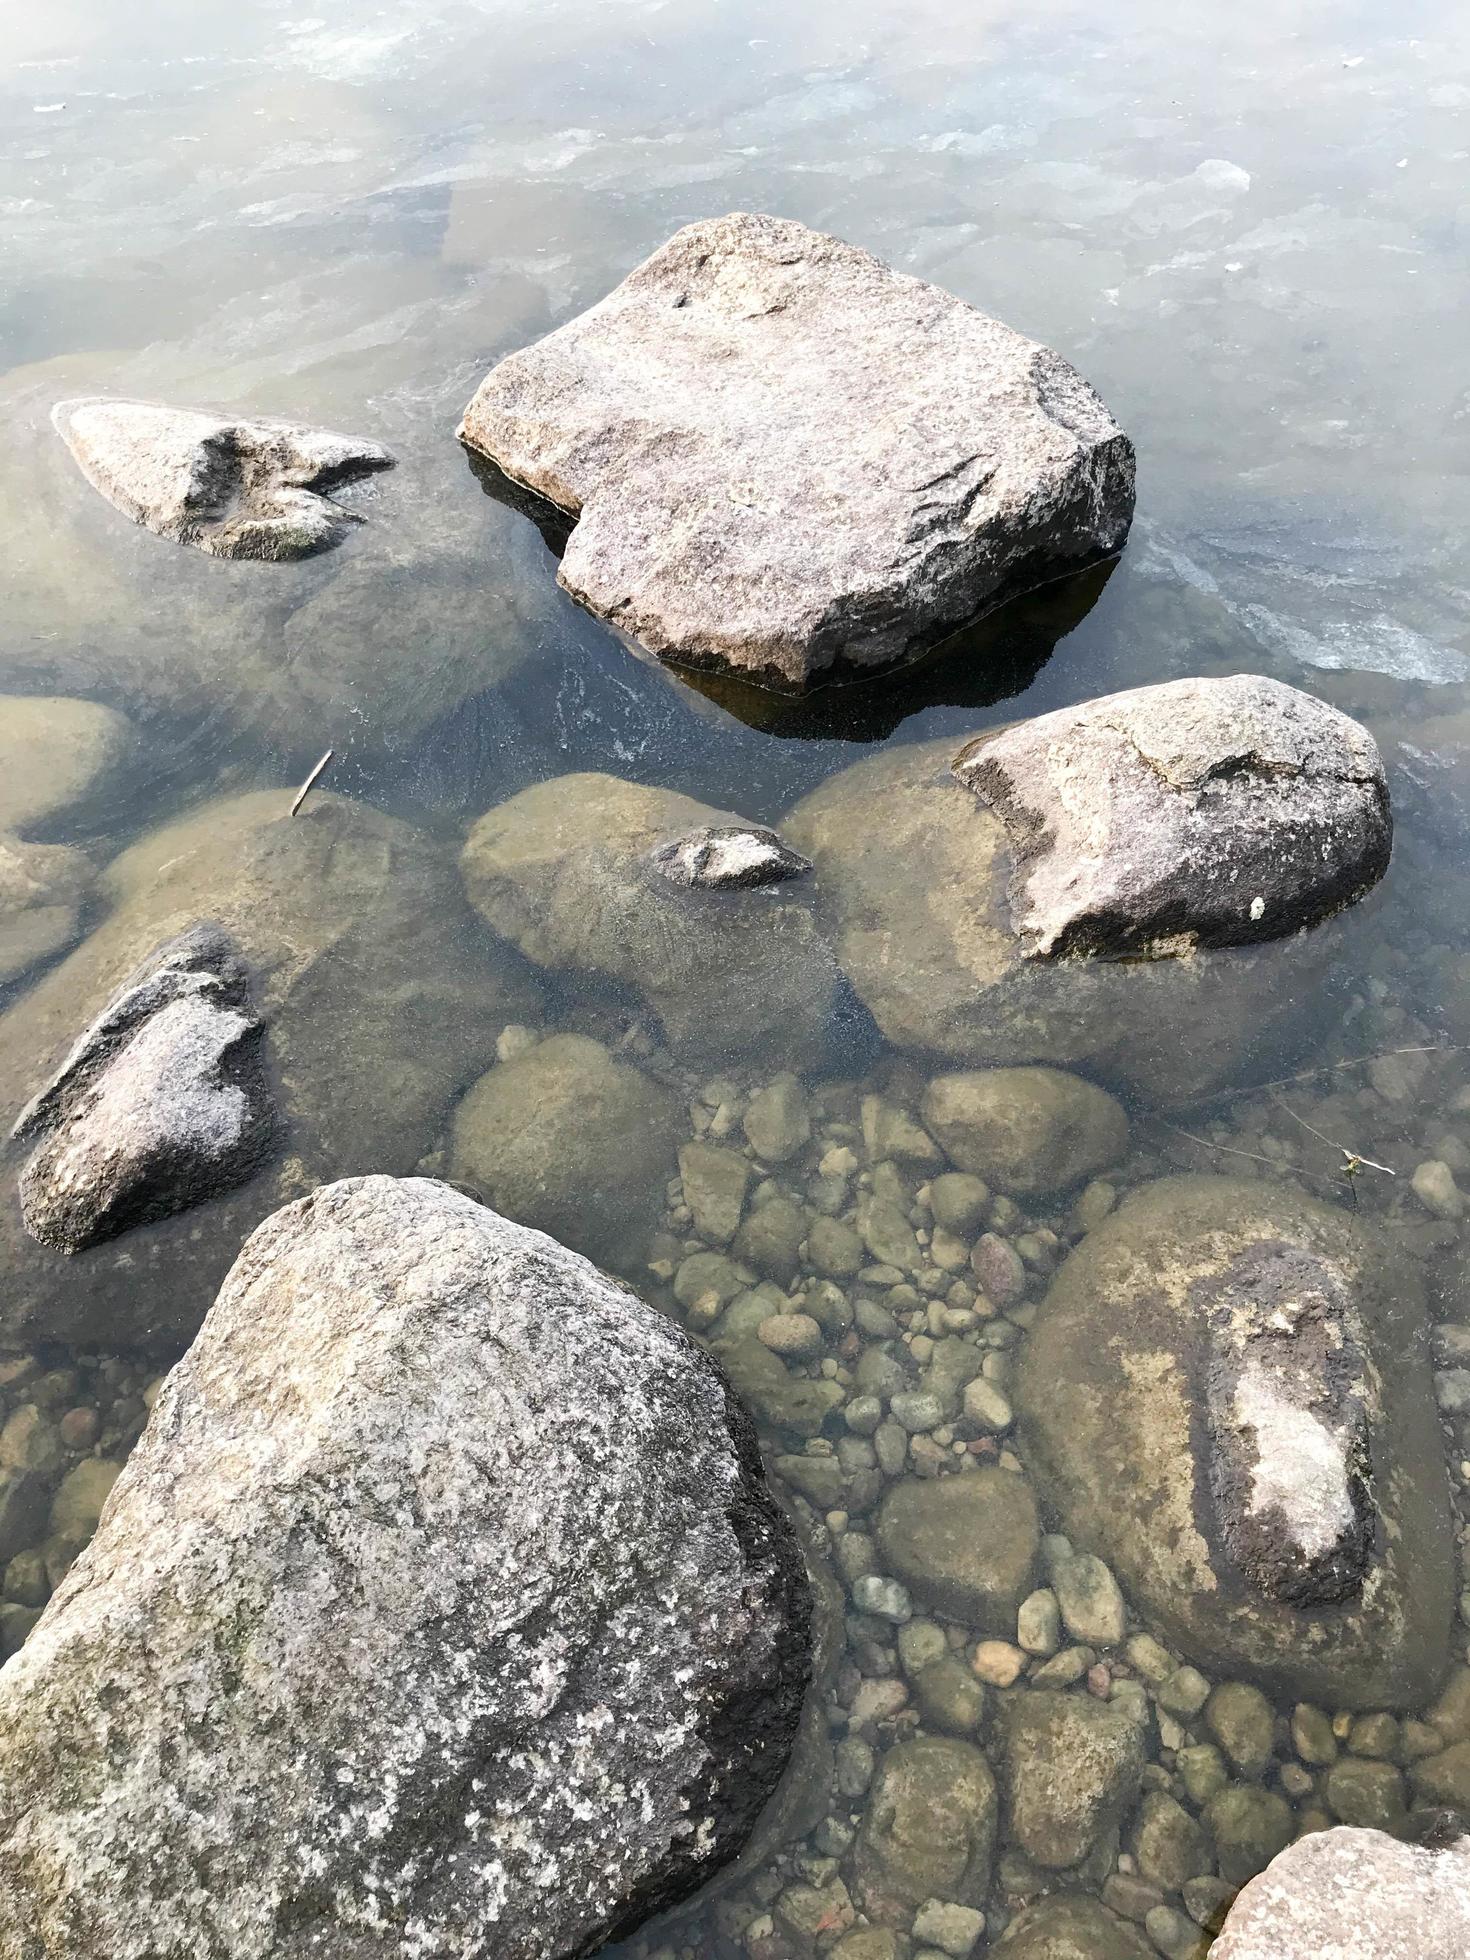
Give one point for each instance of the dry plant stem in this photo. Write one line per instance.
(1313, 1074)
(306, 787)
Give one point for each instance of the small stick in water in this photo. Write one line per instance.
(306, 788)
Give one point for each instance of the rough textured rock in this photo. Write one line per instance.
(719, 858)
(911, 878)
(566, 1138)
(1353, 1895)
(964, 1544)
(54, 753)
(233, 488)
(382, 995)
(785, 460)
(1075, 1927)
(443, 1608)
(1203, 1397)
(928, 1831)
(162, 1103)
(1192, 813)
(43, 888)
(569, 872)
(1028, 1130)
(1071, 1767)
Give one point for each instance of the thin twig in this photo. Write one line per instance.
(1355, 1158)
(1312, 1074)
(1254, 1155)
(306, 787)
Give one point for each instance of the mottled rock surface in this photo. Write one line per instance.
(571, 872)
(788, 461)
(964, 1544)
(1192, 813)
(162, 1103)
(1071, 1767)
(443, 1608)
(383, 997)
(569, 1139)
(725, 856)
(1203, 1397)
(928, 1831)
(1353, 1895)
(1029, 1130)
(232, 488)
(911, 878)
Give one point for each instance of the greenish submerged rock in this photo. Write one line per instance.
(965, 1544)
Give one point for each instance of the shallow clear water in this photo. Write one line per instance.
(1246, 226)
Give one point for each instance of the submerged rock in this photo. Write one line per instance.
(1227, 1395)
(928, 1831)
(966, 1544)
(1192, 813)
(43, 888)
(912, 872)
(1071, 1767)
(442, 1607)
(162, 1103)
(1028, 1130)
(232, 488)
(569, 872)
(1356, 1892)
(787, 461)
(565, 1138)
(54, 753)
(382, 994)
(1072, 1926)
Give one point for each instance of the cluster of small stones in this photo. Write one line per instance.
(983, 1759)
(65, 1432)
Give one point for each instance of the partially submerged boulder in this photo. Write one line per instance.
(576, 872)
(381, 994)
(43, 888)
(162, 1103)
(1227, 1396)
(1192, 813)
(233, 487)
(912, 872)
(787, 461)
(1359, 1892)
(442, 1608)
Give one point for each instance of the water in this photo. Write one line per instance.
(1248, 229)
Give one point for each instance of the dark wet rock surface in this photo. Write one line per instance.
(785, 460)
(233, 488)
(1194, 813)
(1203, 1393)
(443, 1601)
(162, 1103)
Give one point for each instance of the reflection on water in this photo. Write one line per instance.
(1248, 231)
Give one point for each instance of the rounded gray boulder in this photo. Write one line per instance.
(442, 1609)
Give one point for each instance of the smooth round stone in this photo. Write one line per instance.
(793, 1334)
(1249, 1826)
(1039, 1623)
(883, 1598)
(1241, 1720)
(987, 1406)
(998, 1663)
(917, 1410)
(1366, 1793)
(965, 1545)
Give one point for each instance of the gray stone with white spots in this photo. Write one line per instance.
(786, 461)
(1354, 1895)
(163, 1102)
(1191, 813)
(442, 1609)
(719, 857)
(232, 487)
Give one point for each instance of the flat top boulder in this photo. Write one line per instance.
(442, 1609)
(232, 487)
(1193, 813)
(787, 460)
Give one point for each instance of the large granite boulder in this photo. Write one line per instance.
(1193, 813)
(1354, 1892)
(162, 1103)
(382, 997)
(785, 460)
(233, 487)
(443, 1608)
(592, 875)
(912, 872)
(567, 1138)
(1227, 1396)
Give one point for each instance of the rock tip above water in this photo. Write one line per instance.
(788, 461)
